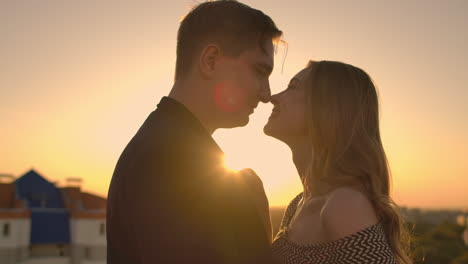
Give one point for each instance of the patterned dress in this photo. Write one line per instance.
(366, 246)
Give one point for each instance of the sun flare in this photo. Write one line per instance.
(230, 164)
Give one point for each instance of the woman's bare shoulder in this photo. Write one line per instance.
(345, 212)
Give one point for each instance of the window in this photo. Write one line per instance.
(102, 229)
(87, 253)
(6, 229)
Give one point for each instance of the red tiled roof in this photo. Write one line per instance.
(6, 195)
(89, 215)
(91, 201)
(83, 205)
(71, 197)
(15, 213)
(9, 206)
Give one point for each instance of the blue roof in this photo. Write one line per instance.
(50, 226)
(37, 191)
(50, 221)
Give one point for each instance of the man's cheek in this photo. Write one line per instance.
(229, 97)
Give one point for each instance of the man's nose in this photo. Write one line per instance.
(265, 93)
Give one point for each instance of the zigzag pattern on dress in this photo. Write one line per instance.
(367, 246)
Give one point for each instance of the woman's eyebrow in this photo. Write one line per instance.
(295, 80)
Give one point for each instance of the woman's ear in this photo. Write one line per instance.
(208, 59)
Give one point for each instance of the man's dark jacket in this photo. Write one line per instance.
(171, 201)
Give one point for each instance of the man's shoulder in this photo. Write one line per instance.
(150, 144)
(157, 133)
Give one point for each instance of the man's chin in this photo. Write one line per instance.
(238, 122)
(243, 121)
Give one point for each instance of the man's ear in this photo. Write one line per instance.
(208, 59)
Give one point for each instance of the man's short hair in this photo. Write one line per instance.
(234, 26)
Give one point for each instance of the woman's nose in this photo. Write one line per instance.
(275, 99)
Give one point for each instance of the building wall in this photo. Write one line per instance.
(7, 256)
(94, 262)
(14, 246)
(88, 254)
(465, 236)
(88, 238)
(88, 232)
(47, 260)
(49, 250)
(18, 237)
(13, 255)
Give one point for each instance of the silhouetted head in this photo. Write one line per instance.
(225, 48)
(332, 108)
(332, 105)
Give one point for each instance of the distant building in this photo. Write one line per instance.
(41, 223)
(15, 224)
(465, 233)
(461, 220)
(433, 216)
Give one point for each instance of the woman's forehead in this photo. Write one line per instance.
(301, 75)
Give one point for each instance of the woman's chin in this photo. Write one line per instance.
(266, 130)
(269, 129)
(273, 132)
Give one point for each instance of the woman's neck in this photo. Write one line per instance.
(302, 158)
(301, 154)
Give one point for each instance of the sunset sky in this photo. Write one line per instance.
(78, 78)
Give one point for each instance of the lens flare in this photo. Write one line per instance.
(229, 97)
(229, 165)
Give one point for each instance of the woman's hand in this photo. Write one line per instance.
(255, 186)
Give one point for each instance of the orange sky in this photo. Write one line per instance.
(77, 79)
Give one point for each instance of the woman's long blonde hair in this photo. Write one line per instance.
(343, 127)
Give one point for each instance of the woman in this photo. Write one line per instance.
(329, 118)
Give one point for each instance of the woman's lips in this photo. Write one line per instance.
(275, 112)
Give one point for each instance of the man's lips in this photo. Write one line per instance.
(253, 106)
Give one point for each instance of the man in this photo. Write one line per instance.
(170, 199)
